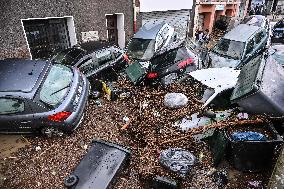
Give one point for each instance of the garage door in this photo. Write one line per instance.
(179, 19)
(46, 36)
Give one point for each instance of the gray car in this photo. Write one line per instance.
(238, 46)
(38, 96)
(150, 38)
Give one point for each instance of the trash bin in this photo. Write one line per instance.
(99, 166)
(253, 155)
(260, 87)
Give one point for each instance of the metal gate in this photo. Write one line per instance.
(179, 19)
(46, 36)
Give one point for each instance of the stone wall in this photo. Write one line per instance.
(89, 15)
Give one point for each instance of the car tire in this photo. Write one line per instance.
(70, 181)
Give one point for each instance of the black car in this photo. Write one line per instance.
(166, 66)
(103, 64)
(69, 56)
(278, 32)
(37, 96)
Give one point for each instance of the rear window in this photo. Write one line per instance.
(68, 56)
(56, 85)
(171, 57)
(10, 106)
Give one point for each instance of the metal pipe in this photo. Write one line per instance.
(134, 17)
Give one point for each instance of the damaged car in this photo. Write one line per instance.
(40, 97)
(103, 64)
(236, 48)
(278, 32)
(166, 66)
(150, 38)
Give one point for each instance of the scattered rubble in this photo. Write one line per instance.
(145, 134)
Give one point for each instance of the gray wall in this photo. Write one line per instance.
(89, 15)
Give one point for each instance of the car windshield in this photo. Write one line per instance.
(141, 48)
(56, 85)
(229, 48)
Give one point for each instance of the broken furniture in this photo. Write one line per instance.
(99, 167)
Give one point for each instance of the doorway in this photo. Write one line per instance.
(112, 32)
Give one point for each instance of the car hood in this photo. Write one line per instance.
(219, 61)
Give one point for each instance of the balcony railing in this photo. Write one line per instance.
(218, 1)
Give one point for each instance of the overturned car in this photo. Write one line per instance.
(166, 66)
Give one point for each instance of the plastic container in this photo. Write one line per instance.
(253, 156)
(260, 87)
(99, 166)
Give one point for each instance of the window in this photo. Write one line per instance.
(10, 106)
(250, 46)
(164, 59)
(104, 57)
(56, 85)
(141, 48)
(229, 48)
(88, 65)
(259, 36)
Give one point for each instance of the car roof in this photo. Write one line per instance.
(241, 33)
(149, 30)
(20, 75)
(255, 20)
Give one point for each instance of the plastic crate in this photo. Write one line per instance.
(253, 156)
(260, 87)
(99, 166)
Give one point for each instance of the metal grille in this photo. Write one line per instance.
(46, 36)
(178, 19)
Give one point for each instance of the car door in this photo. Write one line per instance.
(15, 115)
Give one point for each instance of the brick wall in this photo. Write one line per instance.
(89, 15)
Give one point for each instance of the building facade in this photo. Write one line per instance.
(208, 11)
(177, 14)
(35, 28)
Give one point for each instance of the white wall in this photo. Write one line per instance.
(164, 5)
(71, 30)
(120, 30)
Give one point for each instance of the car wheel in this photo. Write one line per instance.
(71, 180)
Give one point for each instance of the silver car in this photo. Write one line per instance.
(37, 96)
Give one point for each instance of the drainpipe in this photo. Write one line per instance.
(134, 16)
